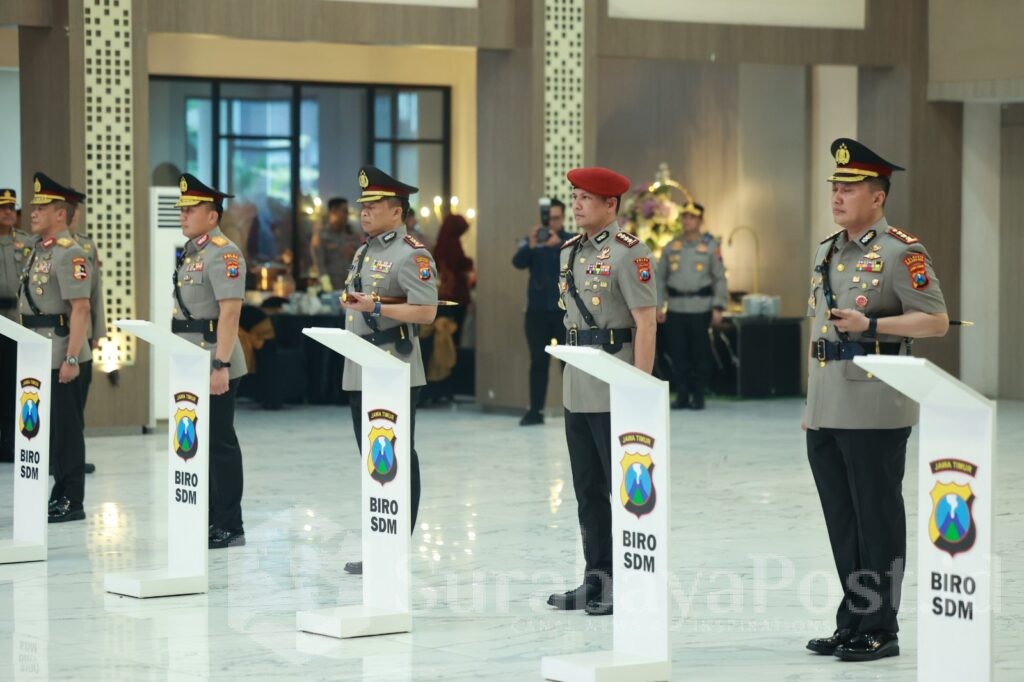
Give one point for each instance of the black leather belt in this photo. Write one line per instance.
(397, 335)
(8, 303)
(193, 326)
(598, 337)
(44, 321)
(703, 291)
(824, 350)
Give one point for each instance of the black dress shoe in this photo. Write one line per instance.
(51, 504)
(354, 568)
(869, 646)
(90, 468)
(66, 510)
(221, 538)
(599, 607)
(531, 418)
(574, 600)
(827, 645)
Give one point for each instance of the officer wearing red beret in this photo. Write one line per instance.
(607, 288)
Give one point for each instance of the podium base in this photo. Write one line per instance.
(353, 621)
(159, 583)
(603, 666)
(19, 551)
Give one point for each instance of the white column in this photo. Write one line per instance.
(833, 114)
(979, 287)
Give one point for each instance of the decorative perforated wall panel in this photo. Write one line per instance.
(563, 93)
(108, 163)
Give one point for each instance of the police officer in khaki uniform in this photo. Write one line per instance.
(54, 302)
(608, 290)
(97, 306)
(209, 287)
(391, 288)
(692, 295)
(14, 248)
(336, 244)
(873, 291)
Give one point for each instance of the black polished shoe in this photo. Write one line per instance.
(574, 600)
(90, 468)
(221, 538)
(66, 510)
(599, 607)
(51, 504)
(869, 646)
(827, 645)
(354, 568)
(531, 418)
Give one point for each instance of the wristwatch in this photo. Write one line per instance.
(71, 360)
(220, 364)
(872, 330)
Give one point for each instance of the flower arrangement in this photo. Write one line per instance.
(652, 214)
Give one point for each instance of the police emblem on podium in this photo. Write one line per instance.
(186, 438)
(951, 526)
(28, 414)
(637, 492)
(381, 462)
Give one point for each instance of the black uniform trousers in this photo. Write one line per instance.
(225, 462)
(355, 403)
(689, 349)
(67, 439)
(588, 435)
(859, 476)
(84, 380)
(8, 393)
(541, 327)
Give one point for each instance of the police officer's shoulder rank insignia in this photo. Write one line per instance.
(637, 492)
(79, 270)
(413, 242)
(381, 462)
(904, 237)
(423, 265)
(65, 243)
(28, 415)
(570, 242)
(220, 241)
(918, 269)
(626, 238)
(643, 268)
(186, 437)
(832, 236)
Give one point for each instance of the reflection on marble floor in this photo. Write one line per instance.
(752, 573)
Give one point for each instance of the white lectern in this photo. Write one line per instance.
(188, 467)
(31, 445)
(954, 516)
(384, 472)
(641, 503)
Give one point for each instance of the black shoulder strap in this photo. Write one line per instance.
(570, 282)
(23, 287)
(826, 283)
(357, 285)
(177, 287)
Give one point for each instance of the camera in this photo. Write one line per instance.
(544, 233)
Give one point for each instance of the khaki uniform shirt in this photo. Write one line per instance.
(689, 267)
(15, 249)
(211, 270)
(393, 264)
(614, 273)
(335, 253)
(97, 304)
(58, 272)
(881, 275)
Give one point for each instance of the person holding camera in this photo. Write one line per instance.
(538, 252)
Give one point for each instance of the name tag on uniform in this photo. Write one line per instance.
(381, 265)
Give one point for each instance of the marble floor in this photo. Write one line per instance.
(752, 576)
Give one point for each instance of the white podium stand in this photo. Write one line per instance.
(188, 467)
(641, 504)
(954, 516)
(31, 445)
(384, 471)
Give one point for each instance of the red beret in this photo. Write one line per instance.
(597, 180)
